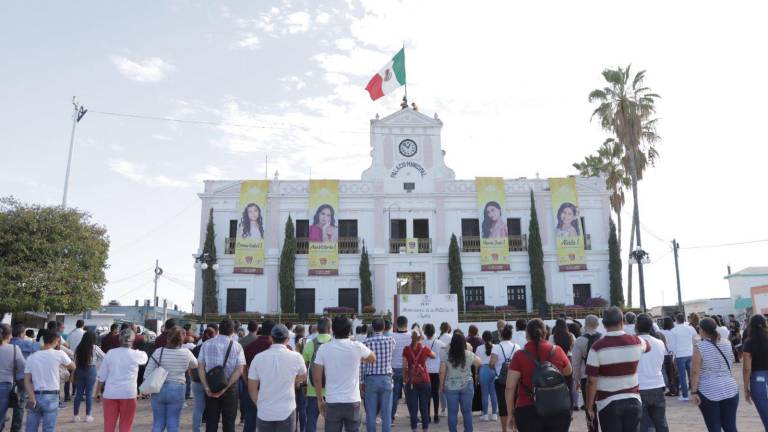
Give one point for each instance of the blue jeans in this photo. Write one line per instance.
(488, 389)
(460, 399)
(301, 409)
(397, 389)
(683, 371)
(417, 398)
(18, 413)
(719, 415)
(197, 415)
(313, 412)
(378, 399)
(247, 406)
(166, 407)
(44, 414)
(85, 379)
(5, 391)
(758, 385)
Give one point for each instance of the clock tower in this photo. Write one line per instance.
(407, 154)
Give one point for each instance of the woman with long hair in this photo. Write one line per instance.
(176, 360)
(323, 228)
(501, 356)
(487, 376)
(198, 391)
(456, 382)
(87, 355)
(567, 220)
(252, 222)
(493, 224)
(755, 367)
(433, 367)
(713, 388)
(522, 414)
(416, 379)
(474, 338)
(670, 369)
(11, 365)
(445, 333)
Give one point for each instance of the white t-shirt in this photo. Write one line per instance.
(649, 368)
(724, 333)
(402, 340)
(629, 329)
(446, 338)
(119, 372)
(438, 347)
(276, 370)
(74, 338)
(341, 361)
(44, 365)
(681, 340)
(480, 352)
(518, 338)
(509, 350)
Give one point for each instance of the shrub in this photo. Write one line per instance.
(596, 302)
(339, 310)
(508, 308)
(479, 308)
(369, 309)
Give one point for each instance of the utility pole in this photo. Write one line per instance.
(675, 247)
(77, 114)
(158, 273)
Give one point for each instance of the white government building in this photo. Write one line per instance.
(407, 192)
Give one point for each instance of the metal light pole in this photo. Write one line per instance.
(158, 273)
(675, 247)
(77, 114)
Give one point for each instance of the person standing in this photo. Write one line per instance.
(650, 378)
(518, 337)
(337, 370)
(416, 379)
(579, 361)
(402, 339)
(198, 390)
(76, 335)
(433, 367)
(176, 360)
(456, 381)
(272, 377)
(501, 355)
(310, 352)
(253, 333)
(612, 371)
(42, 381)
(670, 370)
(377, 379)
(221, 351)
(299, 340)
(110, 340)
(714, 390)
(12, 363)
(162, 339)
(262, 343)
(87, 355)
(629, 322)
(487, 377)
(28, 346)
(116, 383)
(755, 368)
(496, 334)
(681, 343)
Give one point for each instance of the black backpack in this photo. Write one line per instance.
(550, 393)
(317, 344)
(590, 340)
(502, 378)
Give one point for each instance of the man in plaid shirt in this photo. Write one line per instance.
(377, 379)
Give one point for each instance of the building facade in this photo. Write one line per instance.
(407, 193)
(744, 285)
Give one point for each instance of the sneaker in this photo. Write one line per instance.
(88, 419)
(62, 405)
(76, 419)
(495, 417)
(683, 398)
(484, 418)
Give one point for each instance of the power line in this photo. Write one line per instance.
(142, 285)
(130, 277)
(144, 236)
(725, 244)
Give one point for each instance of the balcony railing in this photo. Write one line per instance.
(517, 243)
(587, 242)
(302, 246)
(347, 245)
(229, 245)
(424, 245)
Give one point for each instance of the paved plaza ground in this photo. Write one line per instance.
(682, 416)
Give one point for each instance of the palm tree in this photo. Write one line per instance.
(626, 109)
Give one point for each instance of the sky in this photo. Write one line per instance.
(285, 80)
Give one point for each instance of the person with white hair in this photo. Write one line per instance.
(579, 358)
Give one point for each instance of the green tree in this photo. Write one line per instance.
(536, 261)
(366, 287)
(288, 270)
(626, 108)
(52, 259)
(614, 267)
(210, 289)
(455, 273)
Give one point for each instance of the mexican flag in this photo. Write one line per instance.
(390, 77)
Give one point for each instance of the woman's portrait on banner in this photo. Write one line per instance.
(252, 222)
(568, 220)
(323, 228)
(494, 225)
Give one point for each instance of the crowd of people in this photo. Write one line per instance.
(278, 377)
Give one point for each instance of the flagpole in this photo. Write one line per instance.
(77, 113)
(406, 77)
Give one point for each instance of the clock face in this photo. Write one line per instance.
(407, 148)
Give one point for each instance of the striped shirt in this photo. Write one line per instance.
(613, 360)
(382, 346)
(174, 360)
(716, 382)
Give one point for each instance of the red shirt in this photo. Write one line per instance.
(420, 354)
(110, 341)
(161, 341)
(262, 343)
(521, 363)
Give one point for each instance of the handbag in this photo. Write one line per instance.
(216, 378)
(154, 383)
(13, 396)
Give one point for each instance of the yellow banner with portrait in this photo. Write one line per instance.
(249, 246)
(323, 228)
(568, 234)
(494, 237)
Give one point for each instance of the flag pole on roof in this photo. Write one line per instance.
(389, 78)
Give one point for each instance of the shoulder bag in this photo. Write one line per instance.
(154, 383)
(216, 377)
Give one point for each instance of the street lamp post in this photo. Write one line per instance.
(204, 261)
(640, 257)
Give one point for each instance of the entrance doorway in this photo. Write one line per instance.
(348, 297)
(411, 283)
(305, 302)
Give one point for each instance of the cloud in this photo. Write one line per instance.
(249, 41)
(323, 18)
(293, 83)
(297, 22)
(211, 173)
(151, 69)
(135, 173)
(160, 137)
